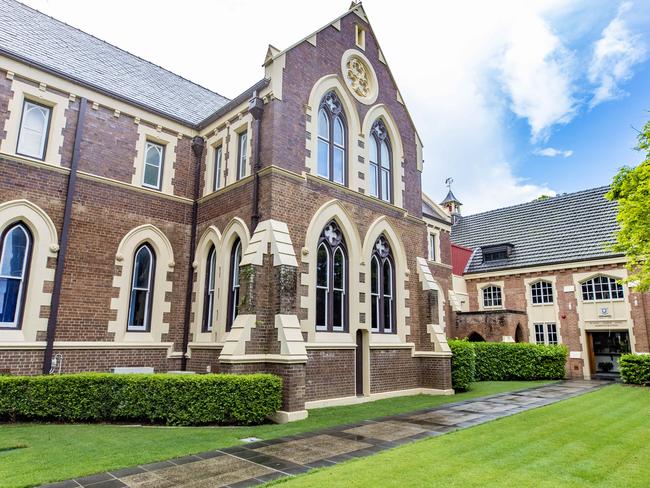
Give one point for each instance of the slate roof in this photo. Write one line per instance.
(570, 227)
(450, 198)
(31, 36)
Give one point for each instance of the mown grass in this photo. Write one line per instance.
(601, 439)
(62, 451)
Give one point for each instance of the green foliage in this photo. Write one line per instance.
(463, 364)
(160, 398)
(635, 368)
(498, 361)
(631, 189)
(542, 198)
(504, 361)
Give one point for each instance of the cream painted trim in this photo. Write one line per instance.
(226, 189)
(205, 345)
(88, 345)
(147, 134)
(547, 268)
(402, 273)
(275, 234)
(380, 111)
(35, 163)
(130, 186)
(58, 103)
(354, 400)
(45, 245)
(217, 139)
(542, 313)
(330, 345)
(319, 90)
(292, 344)
(262, 358)
(442, 213)
(332, 210)
(211, 237)
(373, 82)
(282, 417)
(162, 284)
(274, 72)
(62, 84)
(236, 228)
(388, 345)
(243, 124)
(479, 295)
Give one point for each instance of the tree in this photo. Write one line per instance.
(631, 189)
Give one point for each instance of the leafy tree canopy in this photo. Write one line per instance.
(631, 189)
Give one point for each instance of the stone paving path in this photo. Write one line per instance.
(263, 461)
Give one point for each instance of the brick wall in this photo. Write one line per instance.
(330, 374)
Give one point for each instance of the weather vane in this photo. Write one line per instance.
(448, 182)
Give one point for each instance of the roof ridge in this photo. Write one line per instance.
(118, 48)
(535, 202)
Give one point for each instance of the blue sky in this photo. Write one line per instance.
(491, 85)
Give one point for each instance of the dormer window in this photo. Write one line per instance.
(499, 252)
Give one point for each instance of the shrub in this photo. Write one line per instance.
(635, 368)
(161, 398)
(463, 364)
(498, 361)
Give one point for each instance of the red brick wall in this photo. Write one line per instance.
(393, 369)
(330, 374)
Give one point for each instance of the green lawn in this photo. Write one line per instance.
(601, 439)
(56, 452)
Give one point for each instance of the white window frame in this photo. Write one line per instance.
(242, 161)
(544, 298)
(161, 164)
(44, 135)
(432, 243)
(218, 159)
(544, 331)
(493, 296)
(611, 286)
(145, 327)
(326, 287)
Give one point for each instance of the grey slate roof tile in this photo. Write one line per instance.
(35, 37)
(571, 227)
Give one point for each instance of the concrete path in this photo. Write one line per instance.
(263, 461)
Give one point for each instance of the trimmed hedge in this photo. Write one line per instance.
(463, 364)
(158, 398)
(499, 361)
(635, 368)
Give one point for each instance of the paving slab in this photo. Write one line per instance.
(262, 461)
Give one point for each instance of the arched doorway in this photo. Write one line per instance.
(519, 335)
(476, 337)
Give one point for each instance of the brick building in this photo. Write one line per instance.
(542, 272)
(147, 221)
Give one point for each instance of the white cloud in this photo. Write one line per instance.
(551, 152)
(536, 73)
(615, 53)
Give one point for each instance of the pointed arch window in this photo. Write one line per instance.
(16, 245)
(208, 299)
(382, 288)
(331, 281)
(332, 137)
(34, 128)
(142, 282)
(233, 283)
(381, 163)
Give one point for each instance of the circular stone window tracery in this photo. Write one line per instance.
(360, 77)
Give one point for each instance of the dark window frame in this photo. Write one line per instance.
(50, 109)
(333, 108)
(151, 290)
(26, 270)
(332, 246)
(233, 294)
(380, 134)
(208, 297)
(162, 165)
(382, 257)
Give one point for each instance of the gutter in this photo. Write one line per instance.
(256, 109)
(198, 145)
(65, 231)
